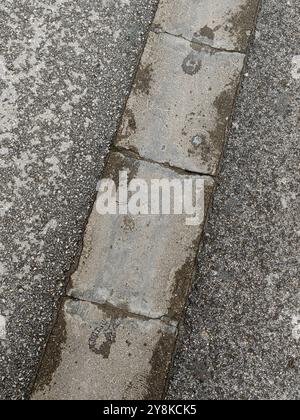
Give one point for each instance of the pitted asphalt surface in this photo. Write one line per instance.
(240, 339)
(65, 71)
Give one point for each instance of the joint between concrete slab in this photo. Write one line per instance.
(181, 171)
(197, 42)
(124, 313)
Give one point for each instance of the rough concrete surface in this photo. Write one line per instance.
(241, 336)
(127, 260)
(224, 24)
(65, 70)
(180, 104)
(98, 354)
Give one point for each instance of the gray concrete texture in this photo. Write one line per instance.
(127, 270)
(127, 260)
(181, 103)
(97, 353)
(241, 336)
(222, 24)
(65, 71)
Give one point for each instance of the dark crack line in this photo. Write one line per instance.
(197, 42)
(181, 171)
(125, 313)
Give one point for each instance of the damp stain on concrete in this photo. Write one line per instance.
(192, 64)
(201, 145)
(128, 224)
(53, 355)
(136, 387)
(201, 48)
(182, 282)
(160, 364)
(207, 32)
(103, 337)
(117, 163)
(224, 105)
(205, 36)
(142, 84)
(242, 23)
(128, 126)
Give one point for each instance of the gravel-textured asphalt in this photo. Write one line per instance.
(65, 70)
(240, 339)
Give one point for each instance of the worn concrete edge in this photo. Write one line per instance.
(207, 216)
(238, 88)
(114, 148)
(243, 52)
(183, 313)
(176, 169)
(74, 266)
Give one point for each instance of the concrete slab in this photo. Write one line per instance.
(225, 24)
(180, 104)
(98, 354)
(143, 263)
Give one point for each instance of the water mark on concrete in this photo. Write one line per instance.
(103, 337)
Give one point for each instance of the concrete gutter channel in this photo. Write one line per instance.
(118, 324)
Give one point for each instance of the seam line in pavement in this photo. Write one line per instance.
(197, 42)
(124, 312)
(131, 153)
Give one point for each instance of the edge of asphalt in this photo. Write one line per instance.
(130, 150)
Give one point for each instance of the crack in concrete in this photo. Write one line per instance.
(181, 171)
(197, 42)
(124, 313)
(108, 308)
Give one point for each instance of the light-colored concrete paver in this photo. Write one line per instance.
(184, 127)
(97, 354)
(225, 24)
(143, 263)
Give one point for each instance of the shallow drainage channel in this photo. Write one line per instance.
(117, 328)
